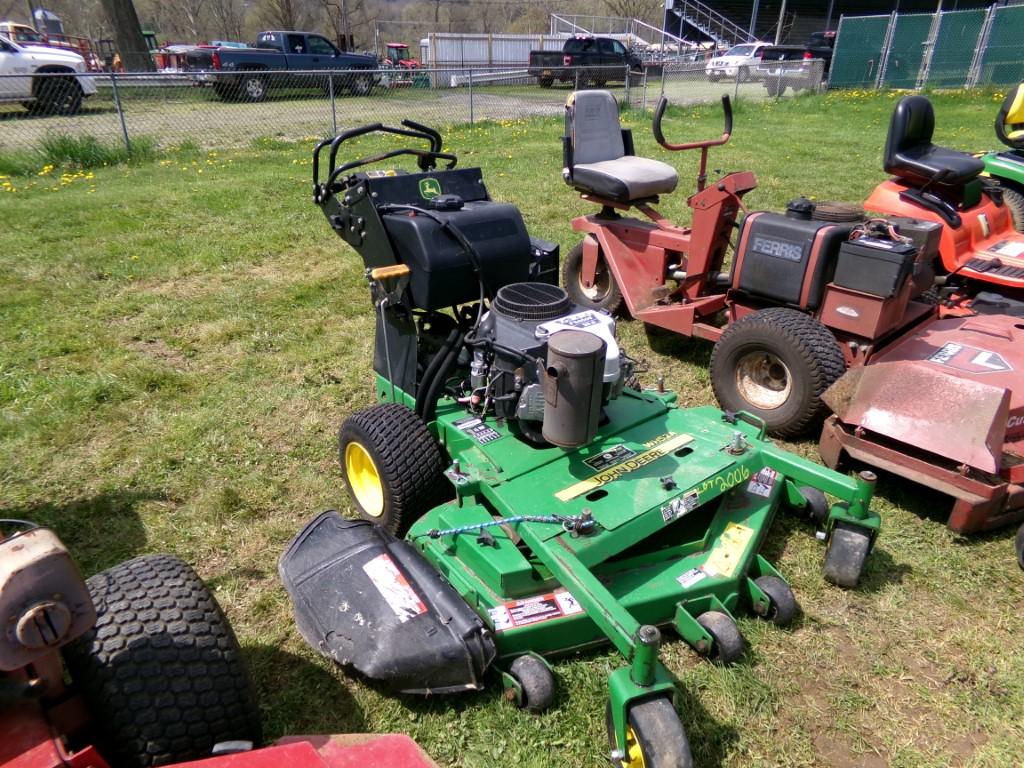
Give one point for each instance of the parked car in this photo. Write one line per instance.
(45, 80)
(793, 66)
(248, 74)
(593, 59)
(739, 62)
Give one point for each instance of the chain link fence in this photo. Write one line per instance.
(950, 49)
(218, 112)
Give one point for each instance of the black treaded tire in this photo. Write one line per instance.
(161, 672)
(784, 606)
(605, 295)
(537, 682)
(774, 88)
(545, 82)
(1014, 201)
(809, 353)
(659, 734)
(728, 645)
(408, 458)
(742, 75)
(817, 508)
(57, 95)
(252, 86)
(361, 85)
(847, 553)
(1019, 546)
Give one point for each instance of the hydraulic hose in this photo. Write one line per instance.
(432, 368)
(434, 388)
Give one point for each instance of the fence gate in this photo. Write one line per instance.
(907, 47)
(1002, 62)
(954, 49)
(859, 44)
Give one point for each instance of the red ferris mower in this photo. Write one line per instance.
(136, 667)
(809, 294)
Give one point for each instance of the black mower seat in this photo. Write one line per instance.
(910, 154)
(599, 162)
(1010, 120)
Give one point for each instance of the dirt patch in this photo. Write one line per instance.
(160, 350)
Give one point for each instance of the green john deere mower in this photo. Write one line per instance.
(520, 495)
(1007, 166)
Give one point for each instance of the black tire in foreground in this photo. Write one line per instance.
(655, 739)
(784, 607)
(393, 466)
(604, 294)
(847, 554)
(1014, 201)
(775, 364)
(537, 682)
(56, 95)
(728, 642)
(161, 672)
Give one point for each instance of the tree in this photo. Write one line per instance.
(228, 16)
(128, 35)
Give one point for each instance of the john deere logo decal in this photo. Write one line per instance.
(429, 189)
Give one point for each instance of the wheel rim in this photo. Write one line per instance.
(763, 380)
(254, 88)
(364, 479)
(634, 754)
(602, 283)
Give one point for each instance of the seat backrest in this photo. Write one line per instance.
(1010, 120)
(592, 124)
(911, 127)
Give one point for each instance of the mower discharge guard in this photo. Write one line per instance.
(356, 589)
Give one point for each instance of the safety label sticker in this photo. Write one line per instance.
(475, 427)
(969, 359)
(1010, 248)
(394, 588)
(580, 320)
(656, 448)
(763, 482)
(680, 506)
(691, 577)
(610, 458)
(728, 551)
(533, 610)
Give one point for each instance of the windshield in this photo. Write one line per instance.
(741, 50)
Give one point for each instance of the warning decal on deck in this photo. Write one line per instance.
(762, 483)
(533, 610)
(691, 577)
(728, 551)
(969, 359)
(394, 588)
(656, 448)
(477, 429)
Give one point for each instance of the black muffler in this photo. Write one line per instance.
(370, 601)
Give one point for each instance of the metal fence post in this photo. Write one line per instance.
(470, 96)
(974, 73)
(627, 86)
(662, 80)
(929, 51)
(120, 113)
(736, 88)
(886, 50)
(334, 106)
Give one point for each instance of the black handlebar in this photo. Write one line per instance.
(660, 137)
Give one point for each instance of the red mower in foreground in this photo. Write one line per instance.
(136, 667)
(808, 295)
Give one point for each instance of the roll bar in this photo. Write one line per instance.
(703, 146)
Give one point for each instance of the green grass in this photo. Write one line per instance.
(181, 339)
(76, 153)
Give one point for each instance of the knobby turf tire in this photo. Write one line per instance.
(610, 302)
(409, 459)
(809, 351)
(161, 672)
(1014, 201)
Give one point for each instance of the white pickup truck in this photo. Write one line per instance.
(44, 80)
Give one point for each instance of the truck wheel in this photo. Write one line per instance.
(655, 737)
(603, 294)
(252, 87)
(774, 88)
(776, 363)
(392, 465)
(714, 77)
(545, 82)
(1014, 202)
(161, 672)
(742, 75)
(58, 96)
(361, 85)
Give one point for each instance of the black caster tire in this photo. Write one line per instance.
(817, 508)
(605, 294)
(537, 682)
(161, 672)
(392, 465)
(1019, 546)
(728, 642)
(784, 607)
(655, 737)
(776, 363)
(847, 553)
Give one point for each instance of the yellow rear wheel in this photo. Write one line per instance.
(364, 479)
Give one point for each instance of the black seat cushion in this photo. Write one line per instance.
(910, 154)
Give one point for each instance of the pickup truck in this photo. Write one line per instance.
(594, 59)
(44, 80)
(248, 74)
(794, 66)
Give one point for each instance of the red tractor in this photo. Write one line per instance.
(135, 667)
(397, 55)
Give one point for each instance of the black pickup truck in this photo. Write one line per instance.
(795, 66)
(248, 74)
(594, 60)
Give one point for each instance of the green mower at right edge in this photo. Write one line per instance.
(1007, 167)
